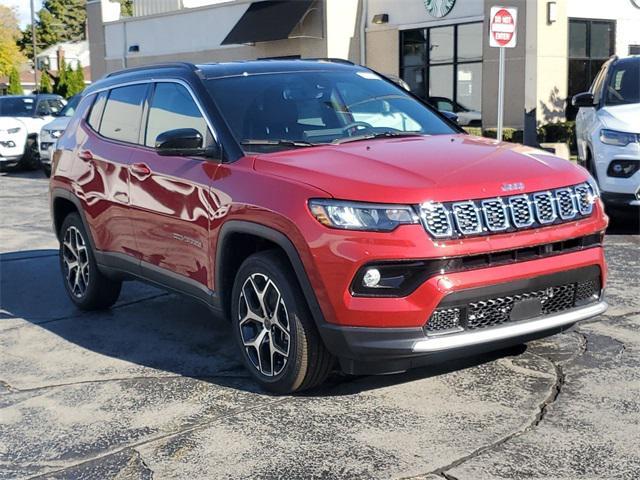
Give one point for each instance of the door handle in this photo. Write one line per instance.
(140, 169)
(85, 155)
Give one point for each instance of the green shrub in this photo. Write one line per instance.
(563, 132)
(508, 134)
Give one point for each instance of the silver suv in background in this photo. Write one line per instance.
(53, 130)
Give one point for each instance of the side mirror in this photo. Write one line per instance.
(450, 115)
(583, 100)
(186, 142)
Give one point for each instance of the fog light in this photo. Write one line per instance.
(371, 278)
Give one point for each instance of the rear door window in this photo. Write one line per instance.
(122, 113)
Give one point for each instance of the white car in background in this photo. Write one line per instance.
(21, 118)
(53, 130)
(608, 131)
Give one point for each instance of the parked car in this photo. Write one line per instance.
(261, 189)
(24, 116)
(51, 131)
(608, 131)
(465, 116)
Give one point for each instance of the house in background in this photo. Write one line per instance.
(74, 53)
(439, 47)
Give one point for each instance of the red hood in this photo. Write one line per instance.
(417, 169)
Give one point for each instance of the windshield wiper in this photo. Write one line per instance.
(284, 143)
(369, 136)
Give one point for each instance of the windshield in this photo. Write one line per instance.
(17, 106)
(302, 109)
(70, 108)
(624, 84)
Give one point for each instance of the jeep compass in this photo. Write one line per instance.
(335, 219)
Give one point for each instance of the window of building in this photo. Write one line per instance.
(173, 107)
(122, 112)
(634, 49)
(444, 62)
(591, 43)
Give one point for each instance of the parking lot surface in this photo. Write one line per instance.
(153, 388)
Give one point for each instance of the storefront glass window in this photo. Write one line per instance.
(444, 65)
(591, 43)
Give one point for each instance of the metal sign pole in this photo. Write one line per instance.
(35, 52)
(500, 94)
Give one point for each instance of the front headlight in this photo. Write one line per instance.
(619, 139)
(54, 133)
(361, 216)
(13, 130)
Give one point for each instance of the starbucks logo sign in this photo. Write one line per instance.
(439, 8)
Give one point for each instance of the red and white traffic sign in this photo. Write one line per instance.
(502, 29)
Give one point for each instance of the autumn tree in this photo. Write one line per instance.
(10, 54)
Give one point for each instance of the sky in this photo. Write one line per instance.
(23, 7)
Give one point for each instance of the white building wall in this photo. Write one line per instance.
(187, 30)
(624, 12)
(413, 14)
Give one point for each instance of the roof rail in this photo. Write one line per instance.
(330, 59)
(183, 65)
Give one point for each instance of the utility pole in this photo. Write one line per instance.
(33, 39)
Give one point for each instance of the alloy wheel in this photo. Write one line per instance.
(75, 258)
(264, 325)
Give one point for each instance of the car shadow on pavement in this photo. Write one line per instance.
(624, 222)
(162, 332)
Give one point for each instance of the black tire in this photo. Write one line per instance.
(308, 362)
(588, 164)
(47, 170)
(89, 290)
(31, 158)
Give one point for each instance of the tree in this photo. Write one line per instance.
(75, 80)
(58, 21)
(126, 8)
(79, 78)
(61, 86)
(15, 87)
(10, 54)
(45, 83)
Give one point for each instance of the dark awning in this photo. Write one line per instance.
(268, 20)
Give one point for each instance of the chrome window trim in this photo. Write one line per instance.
(504, 211)
(163, 80)
(475, 211)
(517, 224)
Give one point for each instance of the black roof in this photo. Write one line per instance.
(221, 70)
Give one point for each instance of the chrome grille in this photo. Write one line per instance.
(566, 203)
(491, 215)
(467, 218)
(495, 214)
(436, 219)
(521, 211)
(545, 207)
(584, 199)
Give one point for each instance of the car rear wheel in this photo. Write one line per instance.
(273, 327)
(86, 286)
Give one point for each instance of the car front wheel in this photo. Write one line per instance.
(273, 328)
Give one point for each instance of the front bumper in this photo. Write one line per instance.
(491, 316)
(621, 199)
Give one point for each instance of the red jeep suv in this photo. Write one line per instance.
(332, 217)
